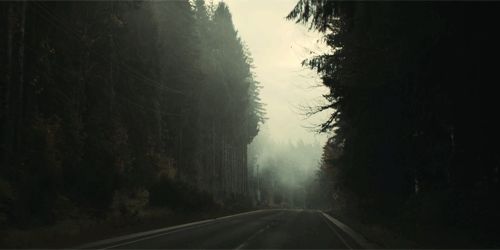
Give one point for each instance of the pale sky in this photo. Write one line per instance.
(278, 47)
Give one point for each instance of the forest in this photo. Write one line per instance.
(112, 107)
(414, 142)
(118, 109)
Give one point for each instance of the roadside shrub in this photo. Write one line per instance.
(6, 198)
(129, 203)
(236, 202)
(179, 196)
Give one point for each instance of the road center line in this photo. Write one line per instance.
(245, 243)
(104, 244)
(150, 237)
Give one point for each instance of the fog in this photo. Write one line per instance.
(184, 124)
(284, 156)
(282, 172)
(278, 47)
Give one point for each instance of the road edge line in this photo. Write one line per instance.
(332, 227)
(135, 236)
(358, 238)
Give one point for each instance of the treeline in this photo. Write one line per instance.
(414, 124)
(114, 106)
(282, 172)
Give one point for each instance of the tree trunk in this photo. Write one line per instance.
(8, 123)
(111, 65)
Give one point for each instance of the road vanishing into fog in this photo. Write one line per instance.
(263, 229)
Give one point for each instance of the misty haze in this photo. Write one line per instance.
(249, 124)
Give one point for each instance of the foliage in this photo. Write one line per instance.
(101, 100)
(411, 94)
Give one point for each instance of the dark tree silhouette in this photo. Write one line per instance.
(105, 105)
(412, 93)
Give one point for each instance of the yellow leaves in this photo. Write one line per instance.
(166, 168)
(115, 19)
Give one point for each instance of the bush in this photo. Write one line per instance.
(179, 196)
(6, 198)
(129, 203)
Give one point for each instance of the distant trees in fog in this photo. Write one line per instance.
(282, 173)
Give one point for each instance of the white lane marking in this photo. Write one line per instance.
(360, 240)
(336, 233)
(267, 226)
(245, 243)
(175, 231)
(159, 232)
(150, 237)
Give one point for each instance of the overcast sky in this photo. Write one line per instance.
(278, 47)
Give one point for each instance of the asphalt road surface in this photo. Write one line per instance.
(265, 229)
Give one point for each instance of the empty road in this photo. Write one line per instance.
(263, 229)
